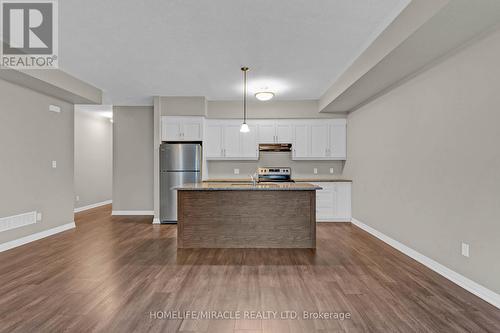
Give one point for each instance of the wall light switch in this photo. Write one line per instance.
(465, 250)
(54, 164)
(38, 217)
(54, 108)
(315, 170)
(77, 198)
(331, 170)
(236, 171)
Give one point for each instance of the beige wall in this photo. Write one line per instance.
(31, 137)
(93, 158)
(182, 106)
(271, 109)
(425, 161)
(132, 158)
(300, 169)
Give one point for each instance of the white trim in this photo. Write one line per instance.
(133, 212)
(469, 285)
(39, 235)
(334, 220)
(156, 220)
(99, 204)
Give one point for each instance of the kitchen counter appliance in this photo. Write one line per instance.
(180, 163)
(274, 174)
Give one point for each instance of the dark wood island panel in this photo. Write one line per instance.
(246, 219)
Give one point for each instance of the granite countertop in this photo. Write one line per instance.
(241, 186)
(320, 180)
(312, 180)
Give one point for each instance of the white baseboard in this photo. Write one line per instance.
(466, 283)
(337, 220)
(39, 235)
(156, 220)
(133, 212)
(99, 204)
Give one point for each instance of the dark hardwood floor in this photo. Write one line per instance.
(113, 274)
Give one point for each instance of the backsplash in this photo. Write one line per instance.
(300, 169)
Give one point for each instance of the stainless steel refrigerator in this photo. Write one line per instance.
(180, 163)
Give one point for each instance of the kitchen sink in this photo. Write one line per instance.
(252, 185)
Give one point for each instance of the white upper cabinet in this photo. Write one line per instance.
(249, 146)
(301, 142)
(317, 139)
(213, 140)
(274, 131)
(224, 141)
(232, 140)
(283, 131)
(175, 128)
(170, 130)
(311, 139)
(267, 131)
(192, 129)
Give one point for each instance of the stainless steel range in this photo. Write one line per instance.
(274, 174)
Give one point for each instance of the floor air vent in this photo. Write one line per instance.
(16, 221)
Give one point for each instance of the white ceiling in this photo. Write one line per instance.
(453, 27)
(137, 49)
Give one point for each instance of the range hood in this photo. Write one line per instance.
(275, 147)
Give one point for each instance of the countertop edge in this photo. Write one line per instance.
(298, 180)
(220, 186)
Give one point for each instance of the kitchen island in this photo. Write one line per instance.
(244, 215)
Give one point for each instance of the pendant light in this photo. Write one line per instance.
(244, 127)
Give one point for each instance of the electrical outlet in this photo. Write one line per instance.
(54, 164)
(236, 171)
(77, 198)
(38, 217)
(331, 170)
(465, 250)
(315, 170)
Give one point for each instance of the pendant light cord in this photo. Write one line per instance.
(244, 69)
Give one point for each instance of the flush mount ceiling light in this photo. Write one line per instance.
(264, 95)
(244, 127)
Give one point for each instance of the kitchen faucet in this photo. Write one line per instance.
(254, 178)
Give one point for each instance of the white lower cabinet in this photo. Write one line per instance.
(333, 202)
